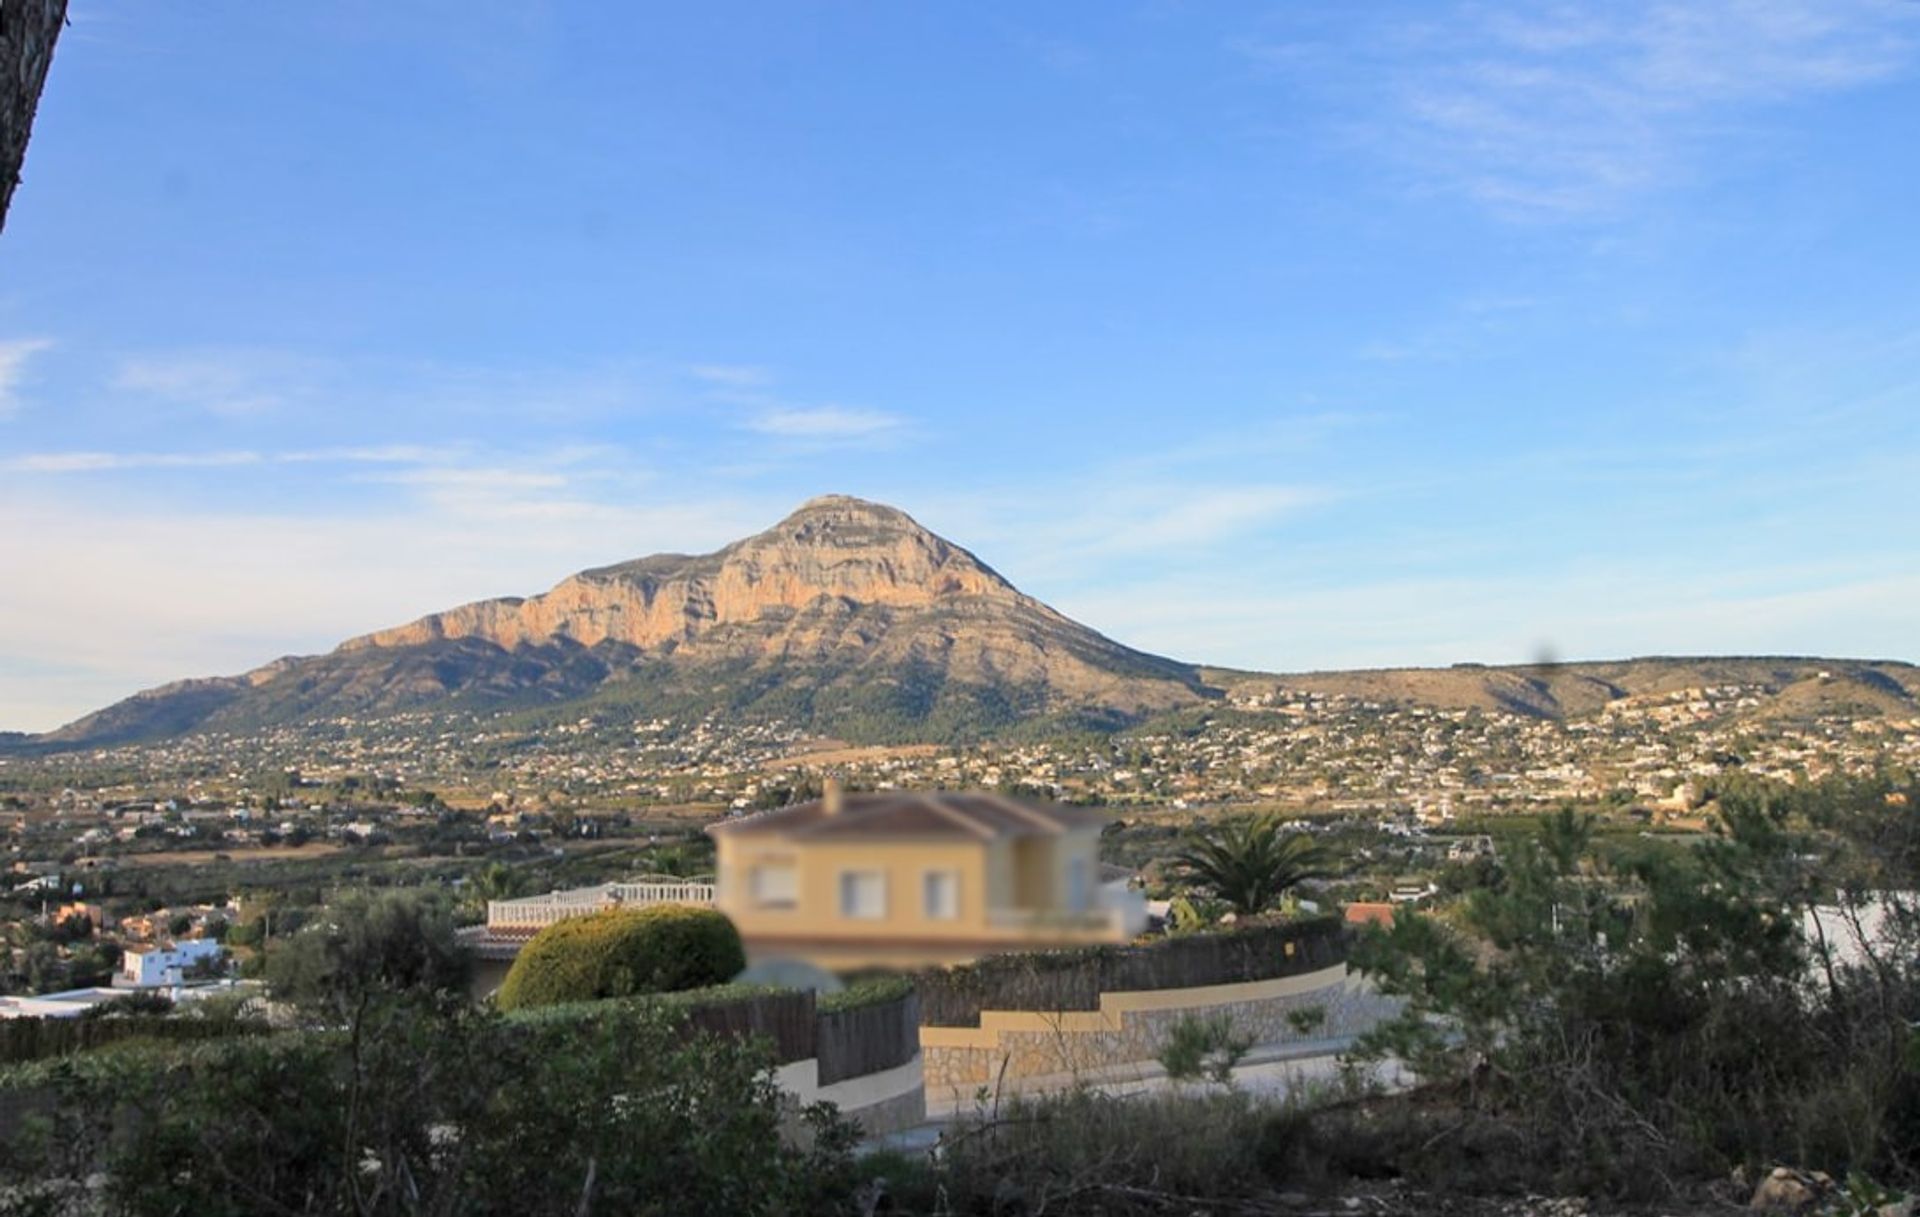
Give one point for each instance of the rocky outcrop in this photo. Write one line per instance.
(847, 616)
(835, 548)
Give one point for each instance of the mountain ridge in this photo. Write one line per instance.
(850, 618)
(875, 618)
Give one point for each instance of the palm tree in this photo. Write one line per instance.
(1249, 863)
(494, 881)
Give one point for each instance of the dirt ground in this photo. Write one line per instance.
(195, 857)
(833, 752)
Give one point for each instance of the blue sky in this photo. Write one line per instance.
(1272, 335)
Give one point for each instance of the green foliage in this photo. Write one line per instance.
(425, 1106)
(1085, 1152)
(494, 881)
(1634, 1016)
(1203, 1047)
(1864, 1197)
(368, 943)
(874, 991)
(621, 952)
(1188, 915)
(1307, 1019)
(682, 1000)
(137, 1003)
(37, 1039)
(1249, 863)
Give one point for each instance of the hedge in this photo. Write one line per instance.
(1075, 979)
(873, 991)
(32, 1039)
(783, 1016)
(623, 952)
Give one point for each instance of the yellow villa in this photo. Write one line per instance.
(902, 878)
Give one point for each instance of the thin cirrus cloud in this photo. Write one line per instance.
(823, 423)
(749, 389)
(114, 462)
(230, 384)
(1567, 111)
(14, 355)
(80, 462)
(731, 375)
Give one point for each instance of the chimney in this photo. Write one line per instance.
(832, 799)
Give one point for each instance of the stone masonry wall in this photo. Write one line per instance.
(1345, 1007)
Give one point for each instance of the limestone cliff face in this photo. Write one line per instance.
(833, 548)
(846, 616)
(840, 581)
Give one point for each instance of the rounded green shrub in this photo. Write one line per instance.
(622, 952)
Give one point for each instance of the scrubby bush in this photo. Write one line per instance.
(422, 1105)
(1086, 1152)
(1203, 1047)
(623, 952)
(368, 943)
(1634, 1019)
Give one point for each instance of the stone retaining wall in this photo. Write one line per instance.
(1133, 1027)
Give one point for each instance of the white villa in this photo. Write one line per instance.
(163, 967)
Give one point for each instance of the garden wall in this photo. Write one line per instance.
(1130, 1028)
(863, 1058)
(1077, 979)
(1011, 1017)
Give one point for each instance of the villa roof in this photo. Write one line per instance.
(977, 815)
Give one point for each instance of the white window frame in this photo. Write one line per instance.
(880, 879)
(927, 910)
(1079, 885)
(758, 899)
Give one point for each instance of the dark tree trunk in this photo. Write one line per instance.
(28, 29)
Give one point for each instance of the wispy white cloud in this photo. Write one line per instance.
(822, 422)
(1085, 530)
(230, 384)
(731, 375)
(14, 355)
(1205, 516)
(118, 462)
(750, 396)
(1560, 110)
(283, 386)
(114, 462)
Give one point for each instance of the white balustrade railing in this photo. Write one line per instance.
(528, 911)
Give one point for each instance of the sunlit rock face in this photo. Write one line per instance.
(845, 615)
(863, 554)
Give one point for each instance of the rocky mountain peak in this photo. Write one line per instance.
(835, 550)
(847, 614)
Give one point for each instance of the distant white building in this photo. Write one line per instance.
(158, 967)
(75, 1002)
(70, 1004)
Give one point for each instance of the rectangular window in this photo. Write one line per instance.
(1079, 890)
(774, 885)
(863, 894)
(940, 892)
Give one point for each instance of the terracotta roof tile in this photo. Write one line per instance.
(903, 813)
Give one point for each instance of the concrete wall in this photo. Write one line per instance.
(1132, 1027)
(883, 1102)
